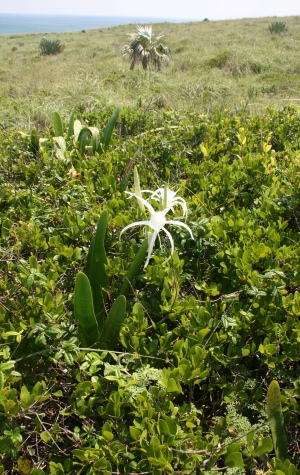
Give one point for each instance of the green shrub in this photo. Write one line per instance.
(235, 64)
(278, 27)
(220, 60)
(48, 47)
(204, 334)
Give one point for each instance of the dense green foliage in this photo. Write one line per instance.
(204, 333)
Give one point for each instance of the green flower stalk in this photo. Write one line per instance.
(137, 188)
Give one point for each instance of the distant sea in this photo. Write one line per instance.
(21, 23)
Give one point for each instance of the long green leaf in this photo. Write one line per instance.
(133, 269)
(83, 136)
(70, 128)
(96, 269)
(108, 130)
(57, 125)
(84, 311)
(276, 421)
(89, 259)
(111, 330)
(95, 138)
(34, 143)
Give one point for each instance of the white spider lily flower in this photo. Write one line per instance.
(168, 199)
(156, 223)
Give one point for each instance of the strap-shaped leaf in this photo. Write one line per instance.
(84, 311)
(276, 421)
(57, 125)
(34, 143)
(70, 128)
(111, 330)
(95, 270)
(95, 138)
(107, 132)
(83, 137)
(133, 269)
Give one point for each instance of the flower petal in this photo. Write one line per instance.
(179, 223)
(150, 247)
(142, 200)
(137, 223)
(170, 239)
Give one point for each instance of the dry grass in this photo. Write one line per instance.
(233, 64)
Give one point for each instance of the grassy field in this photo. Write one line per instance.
(236, 64)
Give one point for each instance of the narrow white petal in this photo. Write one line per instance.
(179, 223)
(150, 247)
(142, 200)
(170, 238)
(132, 225)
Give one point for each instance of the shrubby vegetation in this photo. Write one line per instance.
(278, 27)
(48, 47)
(204, 334)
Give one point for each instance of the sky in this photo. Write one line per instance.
(180, 9)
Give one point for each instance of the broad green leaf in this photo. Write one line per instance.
(234, 447)
(5, 445)
(250, 437)
(26, 399)
(79, 453)
(161, 462)
(264, 446)
(235, 460)
(134, 433)
(45, 436)
(202, 334)
(172, 425)
(7, 365)
(173, 386)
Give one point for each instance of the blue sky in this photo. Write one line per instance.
(186, 9)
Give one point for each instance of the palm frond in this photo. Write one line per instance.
(145, 47)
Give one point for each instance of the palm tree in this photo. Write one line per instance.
(147, 48)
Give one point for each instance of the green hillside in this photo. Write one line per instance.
(234, 63)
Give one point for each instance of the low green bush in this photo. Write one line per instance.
(278, 27)
(183, 386)
(220, 60)
(48, 47)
